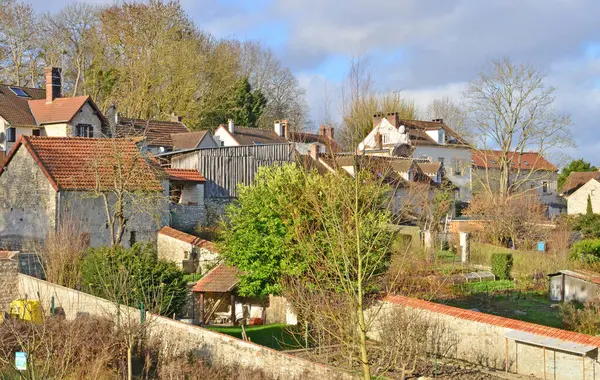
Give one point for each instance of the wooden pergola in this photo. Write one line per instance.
(222, 279)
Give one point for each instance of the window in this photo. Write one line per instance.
(36, 132)
(19, 92)
(132, 238)
(385, 138)
(545, 187)
(11, 135)
(84, 130)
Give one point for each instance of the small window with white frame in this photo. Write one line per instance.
(11, 134)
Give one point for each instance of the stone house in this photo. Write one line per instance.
(577, 188)
(233, 135)
(568, 285)
(531, 169)
(46, 180)
(186, 198)
(191, 253)
(431, 141)
(45, 112)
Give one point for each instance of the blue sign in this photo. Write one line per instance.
(542, 246)
(21, 361)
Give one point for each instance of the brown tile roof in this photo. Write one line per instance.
(310, 138)
(432, 125)
(221, 279)
(577, 179)
(80, 163)
(255, 136)
(187, 238)
(61, 110)
(523, 161)
(187, 175)
(187, 140)
(429, 167)
(494, 320)
(15, 109)
(156, 132)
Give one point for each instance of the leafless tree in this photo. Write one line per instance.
(511, 110)
(453, 113)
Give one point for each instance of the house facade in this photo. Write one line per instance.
(46, 180)
(45, 112)
(431, 141)
(190, 253)
(233, 135)
(577, 201)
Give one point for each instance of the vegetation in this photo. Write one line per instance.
(502, 265)
(586, 250)
(133, 277)
(579, 165)
(582, 318)
(484, 287)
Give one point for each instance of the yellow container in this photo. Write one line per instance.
(27, 310)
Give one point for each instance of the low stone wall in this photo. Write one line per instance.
(180, 338)
(9, 268)
(479, 338)
(186, 217)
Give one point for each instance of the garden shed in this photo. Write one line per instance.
(568, 285)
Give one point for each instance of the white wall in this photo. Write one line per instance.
(390, 135)
(25, 131)
(452, 155)
(577, 202)
(222, 136)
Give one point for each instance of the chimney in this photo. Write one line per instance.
(53, 83)
(278, 128)
(377, 119)
(286, 129)
(329, 133)
(231, 126)
(441, 121)
(393, 118)
(314, 151)
(175, 118)
(378, 141)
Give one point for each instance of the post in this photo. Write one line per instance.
(232, 309)
(544, 362)
(506, 356)
(583, 365)
(201, 316)
(52, 307)
(465, 247)
(142, 313)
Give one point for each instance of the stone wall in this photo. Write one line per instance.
(27, 204)
(479, 338)
(180, 338)
(215, 210)
(187, 217)
(187, 256)
(9, 268)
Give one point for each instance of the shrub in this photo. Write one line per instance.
(581, 318)
(501, 265)
(586, 250)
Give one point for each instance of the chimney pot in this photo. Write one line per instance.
(314, 151)
(53, 83)
(175, 118)
(231, 126)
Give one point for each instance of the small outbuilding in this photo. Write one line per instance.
(568, 285)
(191, 253)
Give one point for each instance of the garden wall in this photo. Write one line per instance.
(180, 338)
(479, 338)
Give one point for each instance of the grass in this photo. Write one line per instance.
(192, 277)
(484, 287)
(276, 336)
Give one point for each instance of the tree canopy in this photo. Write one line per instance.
(579, 165)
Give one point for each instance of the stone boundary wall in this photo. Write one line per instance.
(180, 338)
(479, 338)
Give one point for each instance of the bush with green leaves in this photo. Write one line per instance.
(131, 276)
(502, 264)
(586, 250)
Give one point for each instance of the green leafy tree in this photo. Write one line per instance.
(134, 276)
(259, 236)
(579, 165)
(247, 105)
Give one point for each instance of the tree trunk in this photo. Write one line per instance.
(130, 361)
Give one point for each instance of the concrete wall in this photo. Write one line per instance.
(27, 204)
(483, 343)
(145, 217)
(580, 290)
(180, 338)
(577, 202)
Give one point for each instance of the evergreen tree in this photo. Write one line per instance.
(589, 209)
(247, 105)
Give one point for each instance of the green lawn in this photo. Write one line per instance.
(276, 336)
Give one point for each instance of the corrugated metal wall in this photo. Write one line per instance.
(225, 167)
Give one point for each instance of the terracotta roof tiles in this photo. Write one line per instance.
(522, 161)
(187, 140)
(577, 179)
(187, 175)
(61, 110)
(255, 136)
(222, 279)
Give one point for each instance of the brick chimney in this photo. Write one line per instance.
(393, 118)
(175, 118)
(377, 119)
(286, 129)
(53, 83)
(378, 141)
(326, 131)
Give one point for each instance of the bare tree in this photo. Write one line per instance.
(18, 26)
(453, 113)
(511, 110)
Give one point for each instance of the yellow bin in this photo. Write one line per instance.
(27, 310)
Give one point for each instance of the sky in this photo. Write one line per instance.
(424, 48)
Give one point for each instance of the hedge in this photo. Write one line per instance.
(586, 250)
(501, 265)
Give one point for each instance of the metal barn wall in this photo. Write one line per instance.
(225, 167)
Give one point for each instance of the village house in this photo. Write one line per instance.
(530, 168)
(303, 141)
(431, 141)
(233, 135)
(190, 253)
(46, 180)
(578, 187)
(45, 112)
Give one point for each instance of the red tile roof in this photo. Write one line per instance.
(221, 279)
(187, 238)
(577, 179)
(15, 109)
(156, 132)
(523, 161)
(79, 163)
(61, 110)
(188, 175)
(495, 320)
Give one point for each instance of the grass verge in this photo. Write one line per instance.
(276, 336)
